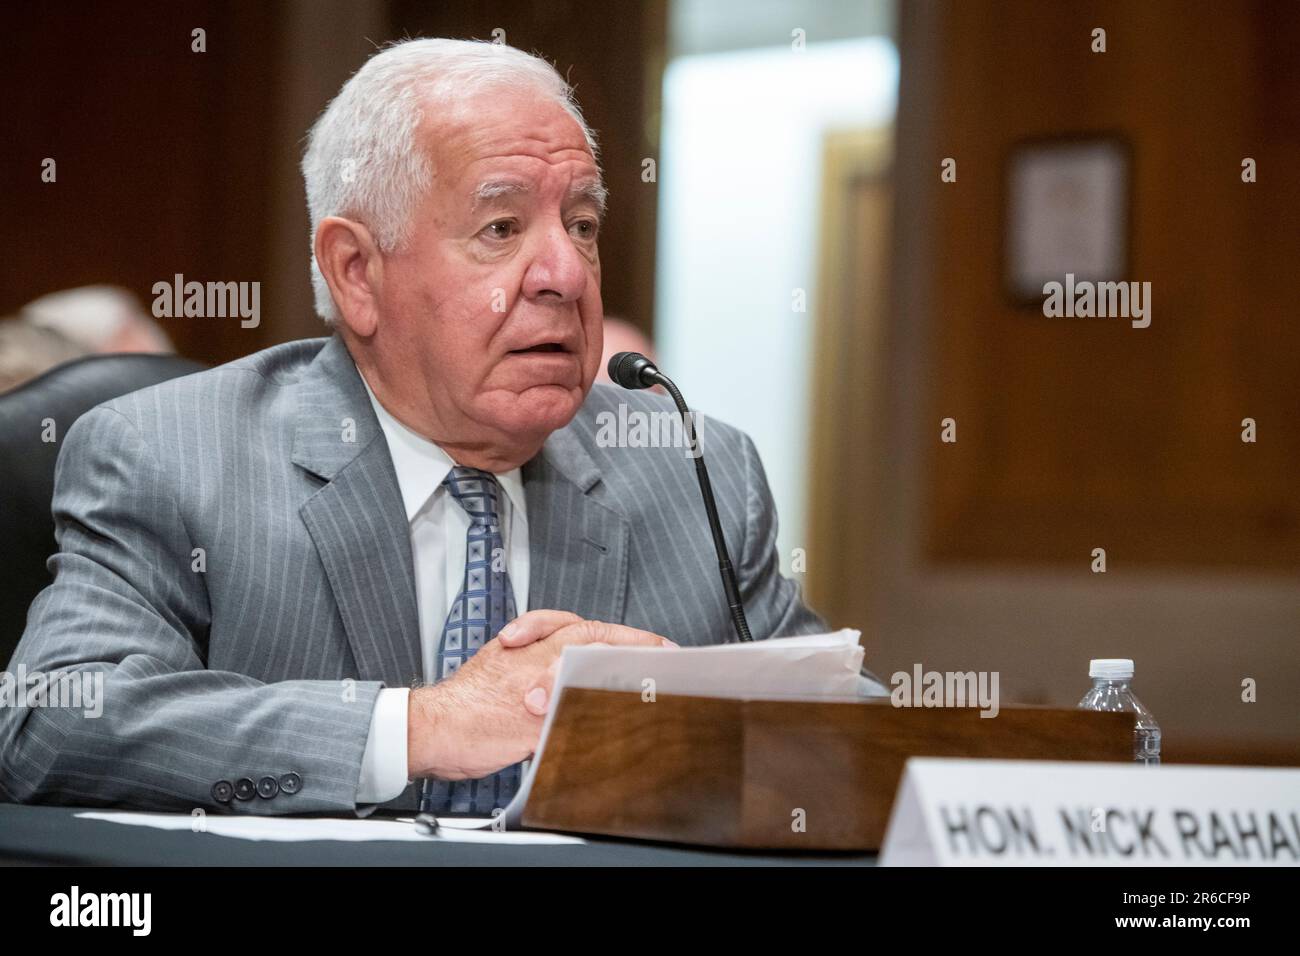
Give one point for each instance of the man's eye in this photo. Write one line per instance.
(501, 229)
(584, 229)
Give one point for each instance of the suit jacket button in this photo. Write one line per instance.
(222, 791)
(267, 788)
(245, 789)
(290, 783)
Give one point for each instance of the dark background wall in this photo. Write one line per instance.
(162, 154)
(171, 161)
(1089, 433)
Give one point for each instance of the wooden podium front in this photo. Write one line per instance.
(735, 773)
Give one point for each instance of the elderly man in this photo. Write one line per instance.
(299, 574)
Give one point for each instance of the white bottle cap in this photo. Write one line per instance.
(1111, 668)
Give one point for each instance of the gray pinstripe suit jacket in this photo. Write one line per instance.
(268, 660)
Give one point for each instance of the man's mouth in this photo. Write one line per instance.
(540, 348)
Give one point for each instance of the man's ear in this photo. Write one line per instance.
(349, 259)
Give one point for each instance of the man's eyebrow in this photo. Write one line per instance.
(493, 190)
(593, 190)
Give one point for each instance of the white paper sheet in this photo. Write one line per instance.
(813, 666)
(295, 829)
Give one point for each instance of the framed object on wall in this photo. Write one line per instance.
(1067, 212)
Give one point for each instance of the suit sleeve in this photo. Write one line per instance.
(773, 605)
(126, 621)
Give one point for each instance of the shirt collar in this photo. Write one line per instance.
(421, 465)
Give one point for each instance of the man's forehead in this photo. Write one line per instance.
(482, 128)
(489, 149)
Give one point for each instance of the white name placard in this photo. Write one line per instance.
(1042, 813)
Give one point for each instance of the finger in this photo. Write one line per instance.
(597, 632)
(534, 625)
(538, 699)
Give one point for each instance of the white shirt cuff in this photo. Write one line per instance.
(383, 765)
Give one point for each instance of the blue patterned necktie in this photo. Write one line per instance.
(485, 603)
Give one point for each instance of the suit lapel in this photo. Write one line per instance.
(577, 543)
(357, 520)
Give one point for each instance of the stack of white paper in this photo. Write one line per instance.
(815, 666)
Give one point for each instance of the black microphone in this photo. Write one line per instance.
(633, 370)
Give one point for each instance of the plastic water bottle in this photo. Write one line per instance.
(1111, 691)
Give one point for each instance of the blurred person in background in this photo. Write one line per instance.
(100, 318)
(27, 351)
(622, 336)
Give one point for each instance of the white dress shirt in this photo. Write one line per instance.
(438, 526)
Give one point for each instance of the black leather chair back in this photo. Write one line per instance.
(62, 394)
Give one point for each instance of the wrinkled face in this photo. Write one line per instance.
(492, 311)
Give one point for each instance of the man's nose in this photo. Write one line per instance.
(558, 269)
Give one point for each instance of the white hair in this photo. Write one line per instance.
(91, 315)
(362, 160)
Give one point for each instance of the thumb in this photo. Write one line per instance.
(537, 701)
(534, 625)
